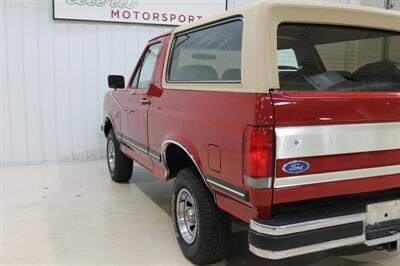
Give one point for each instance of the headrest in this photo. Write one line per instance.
(196, 73)
(231, 74)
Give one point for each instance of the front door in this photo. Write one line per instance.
(135, 104)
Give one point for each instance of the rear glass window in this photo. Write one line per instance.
(315, 57)
(211, 54)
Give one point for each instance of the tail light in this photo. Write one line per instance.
(258, 151)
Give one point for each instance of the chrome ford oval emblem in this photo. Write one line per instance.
(296, 167)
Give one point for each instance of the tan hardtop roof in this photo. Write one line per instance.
(273, 5)
(259, 66)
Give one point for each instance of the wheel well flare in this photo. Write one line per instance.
(176, 157)
(107, 126)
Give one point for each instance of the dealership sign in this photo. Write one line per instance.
(167, 12)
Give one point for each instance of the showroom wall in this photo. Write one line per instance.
(53, 77)
(53, 80)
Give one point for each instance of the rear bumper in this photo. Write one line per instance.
(292, 236)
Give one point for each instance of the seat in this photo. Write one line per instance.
(195, 73)
(294, 81)
(231, 74)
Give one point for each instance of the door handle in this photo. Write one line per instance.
(145, 101)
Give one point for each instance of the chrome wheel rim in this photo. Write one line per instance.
(111, 155)
(187, 216)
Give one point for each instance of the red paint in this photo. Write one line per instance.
(134, 120)
(197, 119)
(284, 195)
(243, 212)
(203, 119)
(328, 108)
(214, 158)
(342, 162)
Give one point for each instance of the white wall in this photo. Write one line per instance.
(53, 77)
(396, 4)
(374, 3)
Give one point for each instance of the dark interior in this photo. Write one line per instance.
(339, 58)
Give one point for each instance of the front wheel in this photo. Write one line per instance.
(202, 229)
(119, 165)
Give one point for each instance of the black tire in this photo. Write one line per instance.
(121, 172)
(211, 242)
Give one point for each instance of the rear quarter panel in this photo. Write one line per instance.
(198, 119)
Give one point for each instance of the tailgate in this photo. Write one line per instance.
(335, 143)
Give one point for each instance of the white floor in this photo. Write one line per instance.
(72, 213)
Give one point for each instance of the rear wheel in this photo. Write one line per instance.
(119, 165)
(202, 229)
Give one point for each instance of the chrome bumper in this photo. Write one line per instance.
(283, 238)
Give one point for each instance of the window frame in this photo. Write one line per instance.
(139, 65)
(200, 28)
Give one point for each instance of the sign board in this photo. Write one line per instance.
(162, 12)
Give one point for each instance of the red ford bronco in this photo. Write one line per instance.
(283, 114)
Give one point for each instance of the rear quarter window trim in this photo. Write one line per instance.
(196, 29)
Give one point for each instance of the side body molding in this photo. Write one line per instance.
(164, 160)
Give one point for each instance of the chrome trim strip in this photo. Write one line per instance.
(164, 161)
(306, 226)
(313, 225)
(240, 194)
(154, 155)
(141, 148)
(382, 240)
(300, 180)
(274, 255)
(258, 182)
(305, 141)
(133, 145)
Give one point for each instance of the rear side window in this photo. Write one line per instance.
(314, 57)
(211, 54)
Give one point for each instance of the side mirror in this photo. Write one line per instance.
(116, 82)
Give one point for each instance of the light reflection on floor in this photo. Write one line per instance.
(71, 213)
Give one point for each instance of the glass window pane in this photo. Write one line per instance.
(210, 54)
(338, 58)
(287, 60)
(147, 68)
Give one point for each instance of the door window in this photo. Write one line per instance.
(143, 76)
